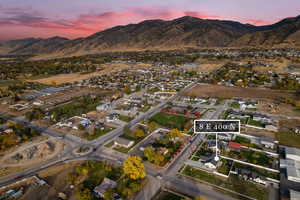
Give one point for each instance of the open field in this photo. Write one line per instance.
(69, 78)
(257, 132)
(286, 135)
(209, 90)
(30, 154)
(273, 107)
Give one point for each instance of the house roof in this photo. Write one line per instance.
(294, 195)
(123, 141)
(105, 185)
(234, 145)
(292, 151)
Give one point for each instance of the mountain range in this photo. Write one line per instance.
(163, 35)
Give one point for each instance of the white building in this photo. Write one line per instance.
(103, 107)
(123, 142)
(292, 153)
(294, 195)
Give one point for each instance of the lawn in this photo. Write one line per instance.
(164, 195)
(255, 123)
(232, 183)
(110, 144)
(235, 105)
(240, 139)
(97, 134)
(77, 107)
(288, 139)
(125, 118)
(253, 157)
(225, 167)
(170, 121)
(122, 149)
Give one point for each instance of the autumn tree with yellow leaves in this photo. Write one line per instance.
(134, 168)
(174, 133)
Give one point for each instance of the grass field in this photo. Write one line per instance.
(288, 139)
(97, 134)
(170, 121)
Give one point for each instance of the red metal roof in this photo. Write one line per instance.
(234, 145)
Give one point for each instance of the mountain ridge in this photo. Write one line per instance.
(164, 34)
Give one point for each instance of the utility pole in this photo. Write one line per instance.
(217, 157)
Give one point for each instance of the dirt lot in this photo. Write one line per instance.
(273, 107)
(206, 65)
(208, 90)
(286, 135)
(56, 178)
(30, 154)
(257, 132)
(69, 78)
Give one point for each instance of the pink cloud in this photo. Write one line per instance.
(258, 22)
(87, 24)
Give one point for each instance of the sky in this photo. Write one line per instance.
(80, 18)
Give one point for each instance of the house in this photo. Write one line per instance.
(38, 103)
(292, 169)
(292, 153)
(234, 146)
(294, 195)
(104, 186)
(163, 150)
(211, 164)
(85, 122)
(9, 130)
(103, 107)
(112, 117)
(271, 127)
(260, 118)
(267, 142)
(122, 142)
(297, 130)
(224, 136)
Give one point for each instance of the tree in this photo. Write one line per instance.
(108, 194)
(158, 158)
(83, 194)
(81, 127)
(149, 153)
(152, 126)
(127, 90)
(200, 198)
(134, 168)
(139, 133)
(174, 133)
(153, 156)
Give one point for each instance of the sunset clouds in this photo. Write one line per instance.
(33, 19)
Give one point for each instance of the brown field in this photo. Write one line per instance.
(257, 132)
(69, 78)
(286, 135)
(219, 91)
(264, 106)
